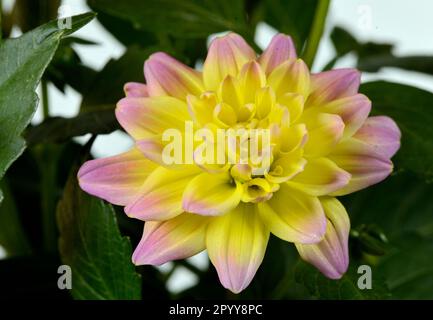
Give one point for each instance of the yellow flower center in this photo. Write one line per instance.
(263, 141)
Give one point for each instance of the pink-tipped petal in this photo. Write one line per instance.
(161, 195)
(141, 117)
(226, 56)
(294, 216)
(211, 194)
(135, 89)
(280, 49)
(177, 238)
(236, 243)
(167, 76)
(363, 162)
(382, 133)
(116, 179)
(333, 84)
(320, 177)
(353, 110)
(331, 255)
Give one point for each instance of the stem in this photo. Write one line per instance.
(45, 102)
(316, 32)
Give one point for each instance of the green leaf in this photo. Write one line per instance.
(373, 56)
(393, 210)
(183, 19)
(23, 61)
(345, 288)
(409, 267)
(12, 236)
(402, 207)
(412, 109)
(374, 63)
(292, 17)
(343, 41)
(91, 244)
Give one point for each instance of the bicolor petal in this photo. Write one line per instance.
(364, 164)
(331, 255)
(382, 133)
(141, 117)
(211, 194)
(279, 50)
(226, 56)
(294, 216)
(320, 177)
(177, 238)
(116, 179)
(160, 198)
(165, 76)
(135, 89)
(334, 84)
(353, 110)
(236, 244)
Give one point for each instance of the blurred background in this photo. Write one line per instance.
(407, 25)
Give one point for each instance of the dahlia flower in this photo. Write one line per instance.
(323, 145)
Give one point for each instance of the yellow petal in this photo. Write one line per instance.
(265, 100)
(291, 76)
(236, 243)
(292, 138)
(252, 79)
(286, 167)
(201, 108)
(294, 216)
(211, 194)
(294, 103)
(324, 132)
(224, 115)
(230, 92)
